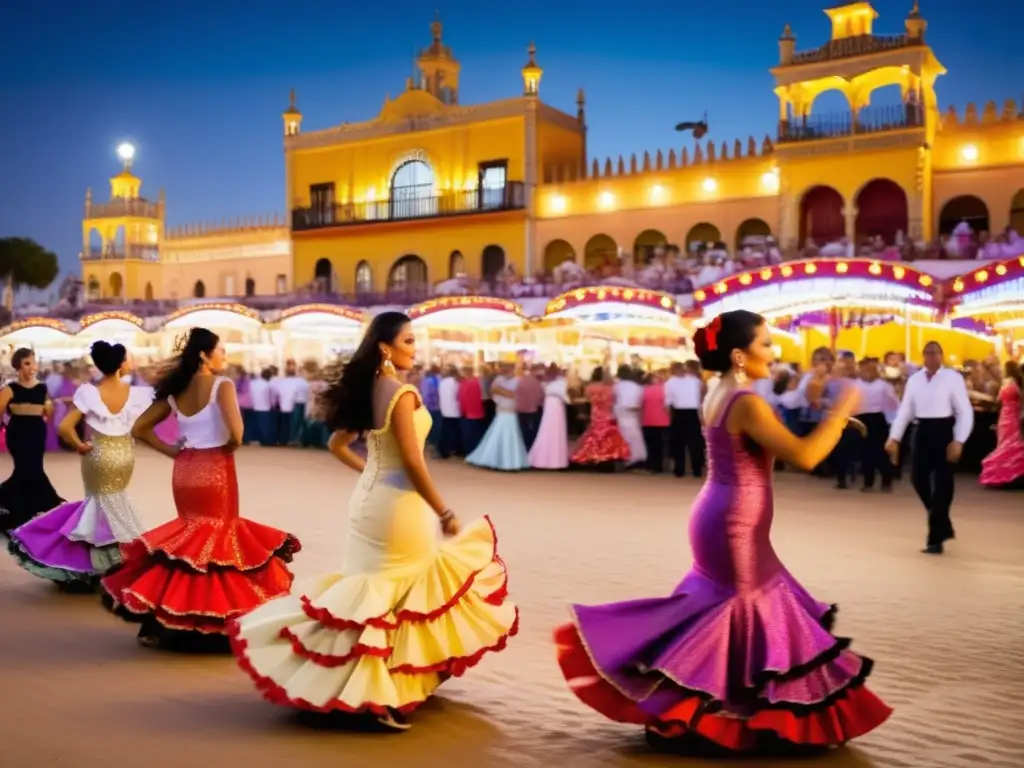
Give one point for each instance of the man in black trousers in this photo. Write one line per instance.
(936, 400)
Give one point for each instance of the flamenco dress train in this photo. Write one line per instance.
(28, 491)
(739, 654)
(209, 565)
(551, 448)
(77, 542)
(1004, 467)
(502, 446)
(403, 613)
(602, 443)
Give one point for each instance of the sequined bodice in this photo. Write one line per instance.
(383, 456)
(730, 460)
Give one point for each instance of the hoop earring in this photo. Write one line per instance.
(741, 375)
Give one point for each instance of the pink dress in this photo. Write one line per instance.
(551, 448)
(1005, 465)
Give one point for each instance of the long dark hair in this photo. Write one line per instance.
(347, 402)
(180, 369)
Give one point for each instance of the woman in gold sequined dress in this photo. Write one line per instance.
(77, 542)
(404, 611)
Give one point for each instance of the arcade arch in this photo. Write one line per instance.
(645, 244)
(1017, 212)
(701, 235)
(116, 285)
(969, 208)
(492, 263)
(822, 220)
(882, 211)
(751, 228)
(599, 251)
(556, 252)
(408, 274)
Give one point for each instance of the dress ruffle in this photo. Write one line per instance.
(71, 543)
(198, 574)
(372, 641)
(792, 677)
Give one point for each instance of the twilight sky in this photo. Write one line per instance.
(200, 88)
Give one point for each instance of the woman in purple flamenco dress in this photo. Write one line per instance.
(739, 657)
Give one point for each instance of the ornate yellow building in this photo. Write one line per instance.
(430, 188)
(128, 254)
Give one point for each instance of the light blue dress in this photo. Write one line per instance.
(502, 446)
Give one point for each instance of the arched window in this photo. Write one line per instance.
(250, 287)
(199, 290)
(364, 278)
(408, 276)
(412, 191)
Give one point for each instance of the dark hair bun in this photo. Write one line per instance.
(715, 342)
(108, 357)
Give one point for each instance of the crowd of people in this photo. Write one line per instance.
(407, 608)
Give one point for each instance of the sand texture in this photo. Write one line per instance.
(947, 633)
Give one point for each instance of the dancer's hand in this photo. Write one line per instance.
(953, 452)
(83, 448)
(892, 447)
(450, 525)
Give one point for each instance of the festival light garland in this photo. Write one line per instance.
(609, 293)
(99, 317)
(37, 322)
(327, 309)
(237, 309)
(445, 303)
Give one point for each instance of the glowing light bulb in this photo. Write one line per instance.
(969, 152)
(607, 200)
(558, 203)
(709, 185)
(126, 152)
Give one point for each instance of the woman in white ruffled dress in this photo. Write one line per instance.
(404, 611)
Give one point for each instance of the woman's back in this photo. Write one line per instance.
(200, 420)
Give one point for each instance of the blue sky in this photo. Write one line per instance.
(200, 89)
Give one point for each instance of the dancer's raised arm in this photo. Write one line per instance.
(753, 417)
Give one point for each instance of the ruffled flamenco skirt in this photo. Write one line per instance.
(379, 641)
(502, 446)
(1004, 467)
(724, 671)
(602, 443)
(77, 542)
(207, 566)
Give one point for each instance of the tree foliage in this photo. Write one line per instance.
(25, 262)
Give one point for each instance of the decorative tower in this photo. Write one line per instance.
(532, 73)
(581, 117)
(121, 239)
(292, 117)
(916, 24)
(787, 46)
(439, 70)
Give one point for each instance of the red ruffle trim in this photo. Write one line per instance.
(850, 716)
(393, 620)
(275, 694)
(204, 544)
(186, 600)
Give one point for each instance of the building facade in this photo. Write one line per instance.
(431, 189)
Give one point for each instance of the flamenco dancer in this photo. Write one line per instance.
(403, 612)
(502, 446)
(1004, 467)
(782, 682)
(76, 542)
(551, 448)
(936, 399)
(186, 579)
(602, 445)
(28, 490)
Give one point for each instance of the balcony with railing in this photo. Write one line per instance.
(121, 253)
(400, 207)
(870, 120)
(858, 45)
(120, 207)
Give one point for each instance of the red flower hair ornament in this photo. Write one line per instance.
(711, 331)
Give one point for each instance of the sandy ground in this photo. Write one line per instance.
(947, 633)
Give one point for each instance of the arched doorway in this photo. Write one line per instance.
(882, 211)
(116, 285)
(323, 276)
(149, 292)
(408, 275)
(92, 288)
(702, 235)
(1017, 212)
(821, 216)
(556, 252)
(599, 252)
(199, 290)
(412, 191)
(364, 278)
(753, 229)
(456, 265)
(646, 243)
(492, 263)
(250, 287)
(964, 208)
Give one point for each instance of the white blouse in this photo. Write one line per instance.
(558, 389)
(98, 417)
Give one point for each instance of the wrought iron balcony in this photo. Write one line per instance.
(842, 124)
(510, 197)
(858, 45)
(120, 207)
(121, 253)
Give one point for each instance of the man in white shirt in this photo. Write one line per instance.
(684, 393)
(936, 399)
(287, 390)
(451, 413)
(264, 429)
(877, 398)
